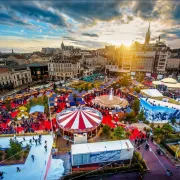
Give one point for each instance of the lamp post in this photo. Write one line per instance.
(50, 119)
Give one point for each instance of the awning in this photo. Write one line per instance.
(37, 108)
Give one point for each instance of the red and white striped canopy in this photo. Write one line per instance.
(79, 118)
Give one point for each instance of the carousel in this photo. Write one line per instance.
(110, 101)
(78, 121)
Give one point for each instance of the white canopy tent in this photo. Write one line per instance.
(151, 92)
(169, 82)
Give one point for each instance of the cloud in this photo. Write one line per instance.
(176, 12)
(31, 10)
(6, 19)
(90, 34)
(146, 9)
(89, 11)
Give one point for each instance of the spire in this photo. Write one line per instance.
(12, 52)
(62, 45)
(148, 34)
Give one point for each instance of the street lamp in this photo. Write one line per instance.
(50, 119)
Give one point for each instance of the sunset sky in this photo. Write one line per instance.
(27, 26)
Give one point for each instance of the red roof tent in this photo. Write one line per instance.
(79, 119)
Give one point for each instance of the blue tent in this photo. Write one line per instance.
(37, 108)
(72, 104)
(128, 110)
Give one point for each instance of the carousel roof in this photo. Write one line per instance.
(79, 118)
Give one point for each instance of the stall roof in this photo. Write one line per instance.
(101, 146)
(37, 108)
(152, 92)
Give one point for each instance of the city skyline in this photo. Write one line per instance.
(27, 26)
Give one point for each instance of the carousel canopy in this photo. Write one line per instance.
(79, 119)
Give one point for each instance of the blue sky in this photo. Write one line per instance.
(27, 26)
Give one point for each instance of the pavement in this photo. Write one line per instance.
(158, 165)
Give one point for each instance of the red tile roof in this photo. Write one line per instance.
(4, 70)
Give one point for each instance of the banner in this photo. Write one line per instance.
(158, 113)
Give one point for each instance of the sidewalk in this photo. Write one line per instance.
(157, 164)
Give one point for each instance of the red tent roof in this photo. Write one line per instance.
(79, 118)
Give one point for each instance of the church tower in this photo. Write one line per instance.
(148, 36)
(62, 45)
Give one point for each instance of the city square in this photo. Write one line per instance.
(89, 90)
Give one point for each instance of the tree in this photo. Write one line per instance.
(86, 88)
(173, 120)
(14, 150)
(158, 133)
(8, 105)
(106, 130)
(54, 86)
(130, 116)
(135, 105)
(119, 132)
(167, 129)
(141, 116)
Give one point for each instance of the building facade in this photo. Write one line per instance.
(62, 67)
(16, 76)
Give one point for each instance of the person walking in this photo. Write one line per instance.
(32, 156)
(45, 147)
(2, 174)
(36, 141)
(18, 169)
(24, 139)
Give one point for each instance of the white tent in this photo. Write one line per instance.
(169, 82)
(151, 92)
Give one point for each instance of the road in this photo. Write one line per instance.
(158, 165)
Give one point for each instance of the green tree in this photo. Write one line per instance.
(136, 105)
(8, 105)
(106, 130)
(14, 150)
(141, 116)
(167, 129)
(54, 86)
(119, 132)
(173, 120)
(86, 88)
(158, 133)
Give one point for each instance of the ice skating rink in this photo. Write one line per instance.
(33, 170)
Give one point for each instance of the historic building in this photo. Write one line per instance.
(16, 76)
(61, 67)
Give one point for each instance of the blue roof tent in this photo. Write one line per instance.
(37, 108)
(72, 104)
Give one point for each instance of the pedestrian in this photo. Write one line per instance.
(45, 147)
(33, 138)
(24, 139)
(32, 156)
(1, 174)
(40, 136)
(169, 173)
(18, 169)
(21, 143)
(36, 141)
(30, 141)
(39, 141)
(152, 138)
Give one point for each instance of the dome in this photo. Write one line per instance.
(169, 80)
